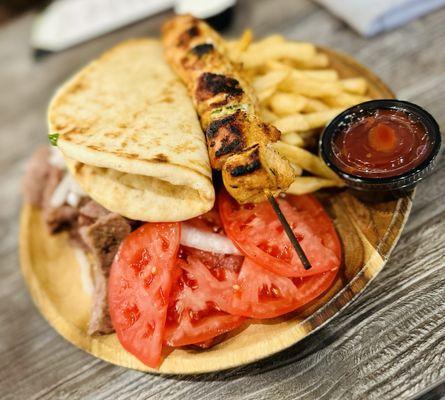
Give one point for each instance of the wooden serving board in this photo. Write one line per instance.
(368, 233)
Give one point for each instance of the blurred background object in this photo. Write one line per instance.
(370, 17)
(65, 23)
(217, 13)
(11, 8)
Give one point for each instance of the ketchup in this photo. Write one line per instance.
(382, 144)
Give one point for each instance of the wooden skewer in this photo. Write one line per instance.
(289, 232)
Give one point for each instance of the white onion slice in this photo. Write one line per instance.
(60, 193)
(56, 159)
(74, 187)
(73, 199)
(207, 241)
(67, 191)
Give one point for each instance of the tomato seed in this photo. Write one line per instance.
(145, 258)
(275, 291)
(149, 329)
(161, 297)
(148, 281)
(136, 267)
(131, 315)
(164, 243)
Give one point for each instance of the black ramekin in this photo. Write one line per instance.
(404, 181)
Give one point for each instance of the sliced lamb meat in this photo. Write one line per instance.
(90, 212)
(75, 237)
(89, 225)
(36, 174)
(103, 239)
(100, 320)
(61, 218)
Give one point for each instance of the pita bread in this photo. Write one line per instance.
(131, 137)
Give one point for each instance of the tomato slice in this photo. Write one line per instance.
(259, 235)
(139, 288)
(193, 316)
(318, 220)
(262, 294)
(244, 288)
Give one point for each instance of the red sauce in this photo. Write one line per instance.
(384, 144)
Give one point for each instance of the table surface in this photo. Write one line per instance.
(389, 344)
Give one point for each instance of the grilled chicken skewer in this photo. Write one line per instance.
(239, 143)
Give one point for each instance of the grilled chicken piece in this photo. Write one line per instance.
(239, 143)
(227, 136)
(255, 167)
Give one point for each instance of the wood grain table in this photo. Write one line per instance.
(389, 344)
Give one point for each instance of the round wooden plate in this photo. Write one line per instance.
(368, 233)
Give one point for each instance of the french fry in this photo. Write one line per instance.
(277, 65)
(320, 60)
(292, 138)
(283, 103)
(309, 184)
(269, 80)
(304, 122)
(355, 85)
(305, 135)
(320, 119)
(329, 75)
(258, 53)
(237, 47)
(291, 123)
(264, 95)
(297, 169)
(314, 105)
(345, 100)
(298, 94)
(319, 74)
(267, 115)
(310, 88)
(245, 40)
(306, 160)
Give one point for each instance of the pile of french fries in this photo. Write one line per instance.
(299, 93)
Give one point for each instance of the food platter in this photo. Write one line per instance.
(368, 233)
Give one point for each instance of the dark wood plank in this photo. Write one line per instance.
(389, 344)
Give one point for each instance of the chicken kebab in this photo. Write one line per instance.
(239, 143)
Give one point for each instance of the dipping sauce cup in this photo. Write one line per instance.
(381, 145)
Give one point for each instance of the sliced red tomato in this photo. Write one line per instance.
(262, 294)
(259, 235)
(193, 316)
(318, 220)
(139, 288)
(246, 289)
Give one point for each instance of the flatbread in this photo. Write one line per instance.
(131, 137)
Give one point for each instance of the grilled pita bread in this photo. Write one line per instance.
(131, 138)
